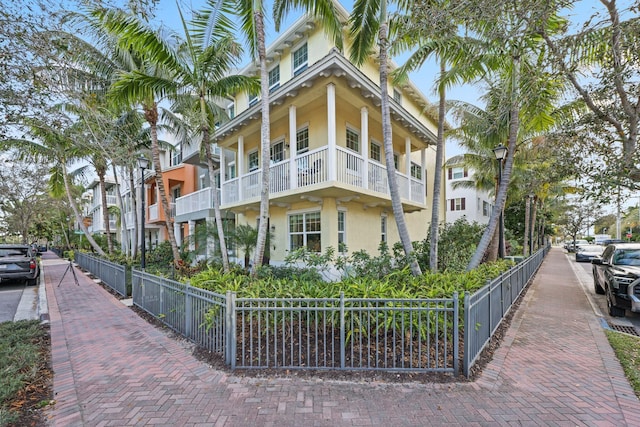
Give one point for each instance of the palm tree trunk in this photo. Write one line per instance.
(76, 212)
(216, 202)
(152, 117)
(437, 179)
(134, 210)
(534, 231)
(105, 209)
(501, 197)
(124, 245)
(527, 212)
(265, 136)
(396, 204)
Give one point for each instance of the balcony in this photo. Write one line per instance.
(201, 200)
(191, 153)
(309, 172)
(97, 202)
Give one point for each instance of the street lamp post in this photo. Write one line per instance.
(500, 152)
(143, 164)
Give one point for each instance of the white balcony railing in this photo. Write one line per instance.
(153, 213)
(312, 168)
(111, 201)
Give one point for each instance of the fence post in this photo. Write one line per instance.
(456, 343)
(467, 334)
(342, 333)
(230, 325)
(188, 311)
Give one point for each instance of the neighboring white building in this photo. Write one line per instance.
(465, 201)
(95, 208)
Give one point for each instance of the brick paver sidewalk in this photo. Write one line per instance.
(111, 368)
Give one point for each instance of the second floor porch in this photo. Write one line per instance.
(335, 172)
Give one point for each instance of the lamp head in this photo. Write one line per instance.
(500, 152)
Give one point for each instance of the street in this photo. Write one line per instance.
(10, 294)
(599, 303)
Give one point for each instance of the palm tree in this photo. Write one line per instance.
(246, 237)
(57, 147)
(200, 67)
(431, 29)
(369, 23)
(251, 13)
(145, 84)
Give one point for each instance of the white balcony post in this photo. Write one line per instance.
(176, 233)
(407, 160)
(331, 131)
(240, 165)
(293, 147)
(192, 235)
(223, 174)
(364, 129)
(423, 165)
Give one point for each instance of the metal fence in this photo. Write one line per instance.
(485, 308)
(195, 313)
(111, 274)
(420, 335)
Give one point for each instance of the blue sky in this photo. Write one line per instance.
(424, 78)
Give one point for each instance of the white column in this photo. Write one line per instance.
(192, 233)
(364, 130)
(331, 131)
(293, 147)
(407, 162)
(223, 175)
(176, 232)
(423, 165)
(240, 165)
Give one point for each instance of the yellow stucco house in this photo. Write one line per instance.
(328, 181)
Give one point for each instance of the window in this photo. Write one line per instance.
(342, 234)
(253, 160)
(277, 152)
(396, 160)
(457, 204)
(304, 231)
(416, 171)
(231, 170)
(486, 208)
(274, 78)
(353, 140)
(383, 228)
(302, 140)
(253, 100)
(231, 110)
(457, 173)
(300, 58)
(375, 150)
(397, 96)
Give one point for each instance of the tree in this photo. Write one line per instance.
(201, 66)
(23, 198)
(600, 62)
(369, 23)
(251, 14)
(45, 142)
(144, 84)
(246, 237)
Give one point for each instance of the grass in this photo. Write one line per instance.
(24, 371)
(627, 349)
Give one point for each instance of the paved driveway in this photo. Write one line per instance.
(10, 294)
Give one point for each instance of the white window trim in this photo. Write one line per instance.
(355, 130)
(380, 149)
(304, 233)
(249, 153)
(275, 85)
(343, 210)
(304, 150)
(293, 51)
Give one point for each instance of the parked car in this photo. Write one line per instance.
(612, 241)
(571, 246)
(585, 253)
(616, 274)
(19, 262)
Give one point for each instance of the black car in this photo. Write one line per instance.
(616, 274)
(19, 262)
